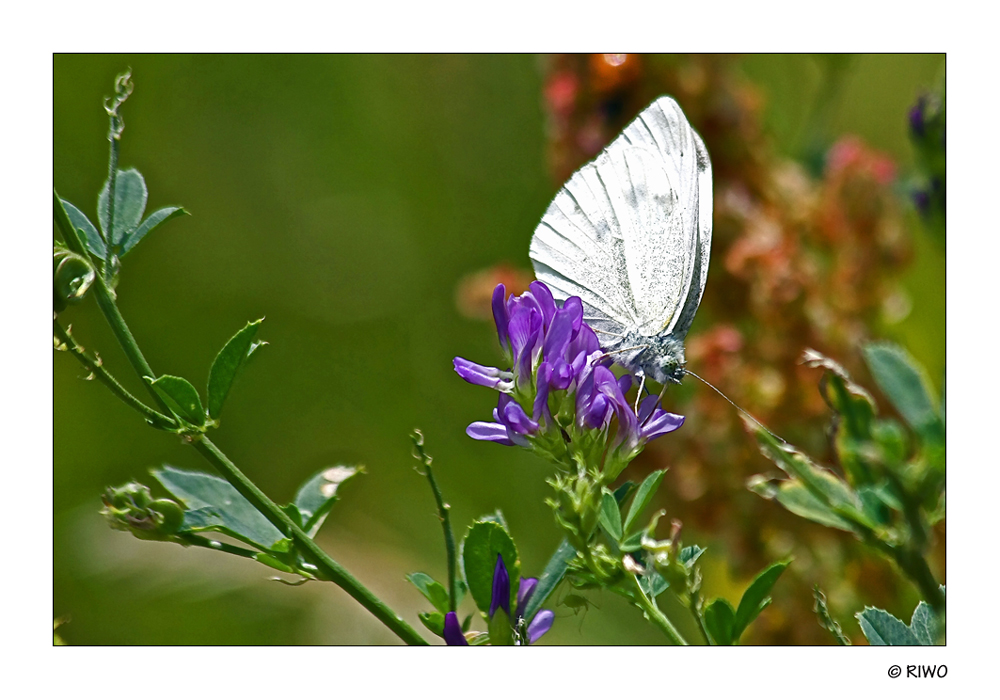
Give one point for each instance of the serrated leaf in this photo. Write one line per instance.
(227, 365)
(905, 383)
(883, 629)
(91, 238)
(553, 574)
(483, 542)
(213, 504)
(755, 598)
(181, 397)
(610, 517)
(433, 591)
(317, 495)
(433, 621)
(643, 497)
(160, 216)
(719, 621)
(923, 624)
(130, 203)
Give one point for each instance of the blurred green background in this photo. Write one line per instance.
(344, 197)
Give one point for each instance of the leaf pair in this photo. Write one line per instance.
(725, 625)
(437, 595)
(183, 399)
(118, 237)
(610, 517)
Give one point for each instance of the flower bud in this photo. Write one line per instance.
(132, 508)
(72, 277)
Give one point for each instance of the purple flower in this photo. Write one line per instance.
(542, 621)
(559, 397)
(453, 636)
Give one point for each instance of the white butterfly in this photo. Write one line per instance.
(630, 234)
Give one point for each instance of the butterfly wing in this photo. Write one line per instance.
(625, 235)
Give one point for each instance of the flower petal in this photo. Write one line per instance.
(480, 375)
(501, 588)
(500, 316)
(660, 424)
(541, 406)
(453, 636)
(524, 591)
(493, 432)
(514, 417)
(557, 337)
(540, 625)
(545, 301)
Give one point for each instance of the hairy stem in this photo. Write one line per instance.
(329, 568)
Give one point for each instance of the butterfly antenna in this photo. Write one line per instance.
(744, 412)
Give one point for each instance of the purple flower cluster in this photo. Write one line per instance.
(559, 389)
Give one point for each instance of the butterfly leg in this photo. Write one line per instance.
(642, 384)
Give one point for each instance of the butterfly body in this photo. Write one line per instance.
(630, 234)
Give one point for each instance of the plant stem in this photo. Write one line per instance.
(215, 545)
(654, 615)
(106, 302)
(95, 366)
(316, 556)
(443, 509)
(699, 618)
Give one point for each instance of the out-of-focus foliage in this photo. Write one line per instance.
(346, 198)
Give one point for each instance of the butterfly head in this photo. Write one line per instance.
(663, 359)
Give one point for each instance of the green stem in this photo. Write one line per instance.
(96, 367)
(215, 545)
(443, 509)
(330, 569)
(654, 615)
(695, 609)
(106, 302)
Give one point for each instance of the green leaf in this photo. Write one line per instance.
(689, 555)
(433, 621)
(130, 203)
(719, 621)
(610, 517)
(213, 504)
(316, 496)
(624, 491)
(883, 629)
(274, 563)
(226, 366)
(553, 574)
(652, 583)
(91, 237)
(431, 590)
(483, 542)
(643, 497)
(152, 221)
(796, 498)
(924, 625)
(181, 397)
(633, 542)
(755, 599)
(904, 382)
(500, 631)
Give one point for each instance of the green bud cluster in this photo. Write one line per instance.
(576, 504)
(132, 508)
